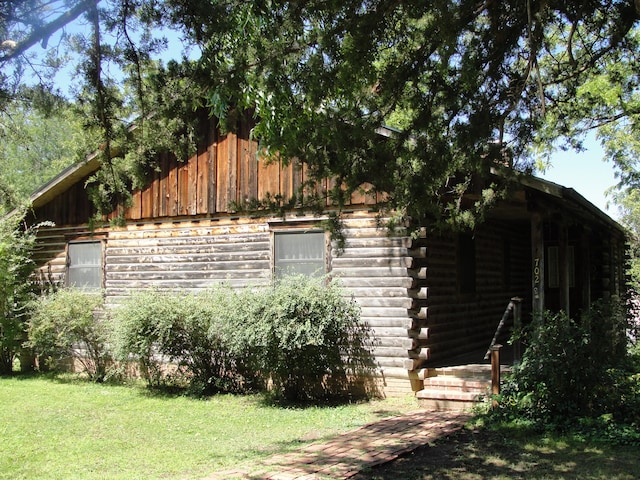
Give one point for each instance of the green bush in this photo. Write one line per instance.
(574, 369)
(67, 325)
(161, 329)
(16, 289)
(300, 338)
(210, 325)
(308, 340)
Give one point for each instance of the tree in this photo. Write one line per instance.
(472, 83)
(35, 147)
(628, 201)
(16, 290)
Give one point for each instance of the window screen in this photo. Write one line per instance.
(85, 265)
(301, 253)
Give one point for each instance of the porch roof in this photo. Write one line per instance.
(548, 193)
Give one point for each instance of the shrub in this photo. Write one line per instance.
(301, 336)
(574, 369)
(308, 340)
(146, 325)
(66, 325)
(16, 290)
(209, 325)
(187, 330)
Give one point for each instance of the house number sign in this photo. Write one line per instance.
(536, 277)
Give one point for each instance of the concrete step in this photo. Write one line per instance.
(437, 394)
(471, 370)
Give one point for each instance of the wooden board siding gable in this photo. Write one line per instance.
(224, 171)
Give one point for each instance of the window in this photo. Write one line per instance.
(466, 259)
(299, 253)
(84, 265)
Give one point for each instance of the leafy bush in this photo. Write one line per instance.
(301, 337)
(574, 369)
(187, 330)
(65, 325)
(16, 291)
(146, 325)
(210, 325)
(308, 340)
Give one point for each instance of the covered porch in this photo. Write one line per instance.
(545, 246)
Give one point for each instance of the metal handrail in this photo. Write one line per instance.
(513, 305)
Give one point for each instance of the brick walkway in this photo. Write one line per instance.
(349, 453)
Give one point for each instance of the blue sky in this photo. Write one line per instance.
(586, 172)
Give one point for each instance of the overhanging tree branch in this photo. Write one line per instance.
(43, 33)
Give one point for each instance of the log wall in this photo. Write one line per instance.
(458, 323)
(373, 267)
(192, 255)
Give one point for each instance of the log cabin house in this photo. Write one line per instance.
(428, 300)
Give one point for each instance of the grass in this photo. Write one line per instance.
(502, 454)
(61, 428)
(65, 429)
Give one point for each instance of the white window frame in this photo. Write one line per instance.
(93, 266)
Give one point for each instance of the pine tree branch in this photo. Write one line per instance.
(42, 34)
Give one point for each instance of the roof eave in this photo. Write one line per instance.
(65, 180)
(560, 192)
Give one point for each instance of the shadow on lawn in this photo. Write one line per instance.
(483, 454)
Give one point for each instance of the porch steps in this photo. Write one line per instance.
(456, 388)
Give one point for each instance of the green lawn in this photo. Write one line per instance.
(56, 429)
(65, 429)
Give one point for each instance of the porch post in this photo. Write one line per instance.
(537, 267)
(563, 267)
(585, 271)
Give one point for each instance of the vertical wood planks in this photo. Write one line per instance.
(227, 172)
(296, 180)
(146, 200)
(286, 181)
(290, 180)
(156, 194)
(248, 171)
(72, 201)
(232, 160)
(134, 212)
(192, 185)
(268, 178)
(202, 180)
(212, 155)
(163, 190)
(172, 187)
(319, 188)
(222, 174)
(183, 188)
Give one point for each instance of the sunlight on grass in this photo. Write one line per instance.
(52, 429)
